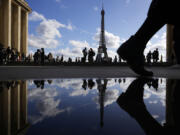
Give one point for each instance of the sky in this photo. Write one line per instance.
(65, 27)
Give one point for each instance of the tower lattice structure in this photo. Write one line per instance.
(102, 43)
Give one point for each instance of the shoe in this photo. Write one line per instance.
(130, 52)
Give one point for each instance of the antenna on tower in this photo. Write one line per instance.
(102, 4)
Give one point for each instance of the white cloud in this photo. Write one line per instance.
(110, 97)
(36, 17)
(160, 44)
(112, 41)
(79, 44)
(70, 52)
(47, 32)
(45, 104)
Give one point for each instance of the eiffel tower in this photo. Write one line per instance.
(102, 43)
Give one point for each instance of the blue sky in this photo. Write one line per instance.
(67, 26)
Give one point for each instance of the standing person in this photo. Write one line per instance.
(158, 15)
(156, 54)
(91, 54)
(42, 56)
(84, 54)
(148, 57)
(62, 59)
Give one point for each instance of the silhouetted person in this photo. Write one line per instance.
(39, 83)
(69, 60)
(155, 55)
(49, 81)
(155, 84)
(160, 13)
(62, 59)
(91, 54)
(84, 86)
(91, 84)
(119, 81)
(132, 102)
(148, 57)
(124, 80)
(42, 56)
(84, 51)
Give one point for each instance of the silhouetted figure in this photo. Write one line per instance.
(62, 59)
(155, 84)
(42, 56)
(91, 83)
(155, 55)
(124, 80)
(148, 57)
(23, 56)
(39, 83)
(84, 51)
(91, 54)
(69, 60)
(49, 81)
(119, 81)
(158, 15)
(132, 102)
(84, 86)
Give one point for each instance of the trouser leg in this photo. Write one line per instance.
(155, 20)
(148, 29)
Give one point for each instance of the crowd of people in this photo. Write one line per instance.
(11, 55)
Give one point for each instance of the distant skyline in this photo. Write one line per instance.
(67, 26)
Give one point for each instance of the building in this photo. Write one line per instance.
(102, 54)
(170, 54)
(14, 24)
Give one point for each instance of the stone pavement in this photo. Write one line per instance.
(52, 72)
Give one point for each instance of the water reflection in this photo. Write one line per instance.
(58, 106)
(13, 107)
(132, 102)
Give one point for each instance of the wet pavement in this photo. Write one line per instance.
(91, 106)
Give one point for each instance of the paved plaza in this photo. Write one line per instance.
(45, 72)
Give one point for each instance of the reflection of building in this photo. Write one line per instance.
(13, 108)
(172, 88)
(14, 24)
(102, 88)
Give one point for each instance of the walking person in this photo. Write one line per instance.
(158, 15)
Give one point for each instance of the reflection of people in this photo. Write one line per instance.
(84, 86)
(91, 83)
(39, 83)
(132, 102)
(158, 15)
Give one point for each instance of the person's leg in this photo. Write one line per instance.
(148, 29)
(132, 50)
